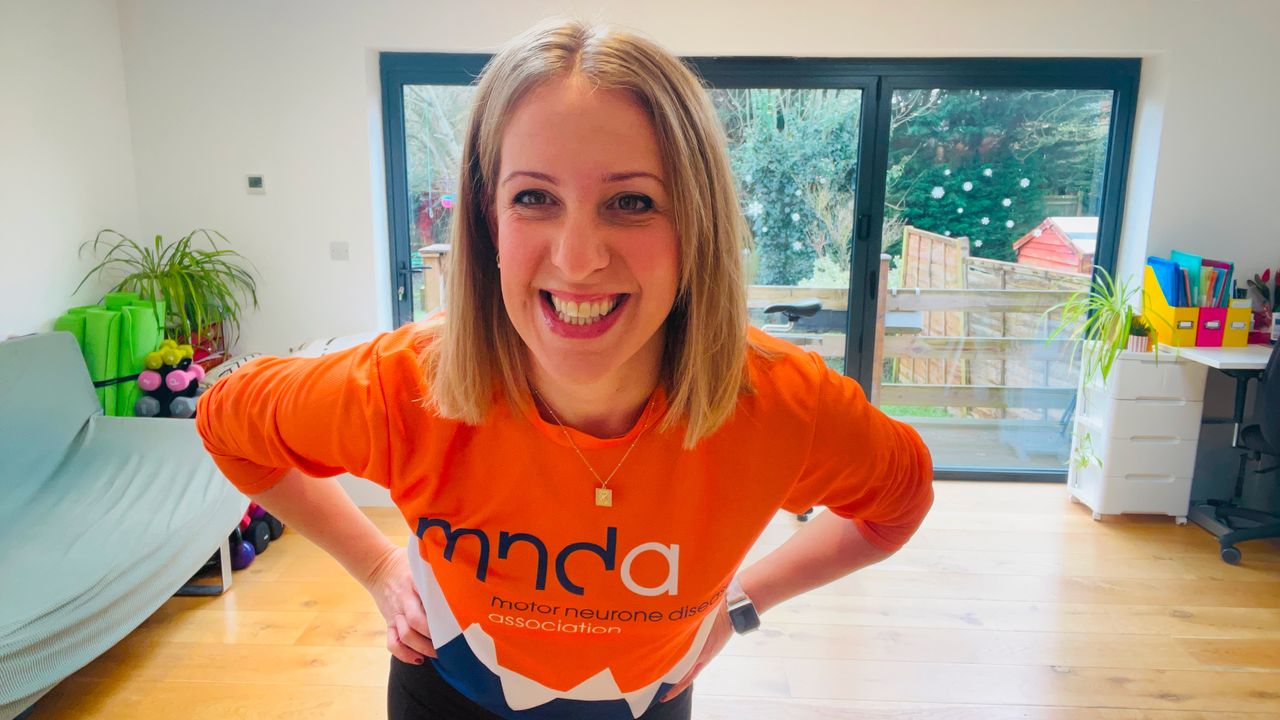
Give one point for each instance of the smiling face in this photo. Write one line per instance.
(584, 227)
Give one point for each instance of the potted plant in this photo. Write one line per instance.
(1265, 296)
(201, 288)
(1101, 320)
(1139, 334)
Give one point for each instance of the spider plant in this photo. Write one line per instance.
(199, 287)
(1100, 318)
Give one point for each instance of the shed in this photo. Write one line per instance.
(1060, 243)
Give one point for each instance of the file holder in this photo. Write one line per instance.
(1175, 326)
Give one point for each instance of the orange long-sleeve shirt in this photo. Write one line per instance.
(542, 604)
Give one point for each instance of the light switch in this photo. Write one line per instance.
(339, 251)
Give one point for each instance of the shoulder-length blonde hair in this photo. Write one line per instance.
(472, 351)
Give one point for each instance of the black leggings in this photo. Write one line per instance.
(417, 692)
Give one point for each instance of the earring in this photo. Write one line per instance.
(497, 257)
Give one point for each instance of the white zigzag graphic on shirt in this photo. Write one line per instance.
(521, 692)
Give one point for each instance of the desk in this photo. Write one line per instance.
(1243, 364)
(1249, 357)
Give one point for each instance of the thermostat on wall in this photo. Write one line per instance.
(255, 185)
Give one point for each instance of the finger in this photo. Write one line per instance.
(412, 638)
(401, 651)
(417, 618)
(680, 686)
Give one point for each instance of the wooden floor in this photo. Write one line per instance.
(1009, 603)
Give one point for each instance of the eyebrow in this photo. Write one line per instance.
(608, 178)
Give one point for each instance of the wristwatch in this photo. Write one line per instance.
(742, 613)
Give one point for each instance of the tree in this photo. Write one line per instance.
(979, 163)
(793, 154)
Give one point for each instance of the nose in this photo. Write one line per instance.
(580, 247)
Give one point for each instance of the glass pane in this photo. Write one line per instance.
(794, 154)
(991, 217)
(435, 118)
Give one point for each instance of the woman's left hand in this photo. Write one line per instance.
(721, 631)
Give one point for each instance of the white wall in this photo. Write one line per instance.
(66, 166)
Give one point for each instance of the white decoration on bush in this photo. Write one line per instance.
(937, 192)
(985, 221)
(987, 172)
(1024, 182)
(795, 217)
(959, 211)
(1008, 224)
(967, 186)
(977, 243)
(1006, 202)
(947, 171)
(796, 246)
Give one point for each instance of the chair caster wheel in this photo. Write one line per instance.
(803, 518)
(1180, 520)
(1231, 556)
(1097, 516)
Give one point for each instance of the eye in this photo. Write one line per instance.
(531, 198)
(634, 203)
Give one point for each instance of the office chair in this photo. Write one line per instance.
(1260, 442)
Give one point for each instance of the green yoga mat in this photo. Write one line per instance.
(115, 341)
(102, 351)
(118, 300)
(140, 333)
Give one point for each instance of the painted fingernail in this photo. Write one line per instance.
(420, 660)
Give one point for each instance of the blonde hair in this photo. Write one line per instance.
(473, 350)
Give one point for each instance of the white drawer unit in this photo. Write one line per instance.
(1139, 433)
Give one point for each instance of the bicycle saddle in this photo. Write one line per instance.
(798, 309)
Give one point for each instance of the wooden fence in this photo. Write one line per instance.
(981, 350)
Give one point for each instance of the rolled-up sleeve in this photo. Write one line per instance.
(864, 466)
(324, 416)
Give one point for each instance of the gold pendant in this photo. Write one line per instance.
(604, 497)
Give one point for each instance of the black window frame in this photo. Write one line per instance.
(877, 79)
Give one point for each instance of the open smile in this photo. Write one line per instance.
(581, 316)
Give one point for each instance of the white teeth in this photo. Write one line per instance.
(583, 313)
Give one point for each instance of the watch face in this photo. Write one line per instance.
(744, 618)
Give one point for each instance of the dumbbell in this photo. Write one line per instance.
(146, 406)
(182, 407)
(259, 534)
(274, 524)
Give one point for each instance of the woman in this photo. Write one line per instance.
(590, 440)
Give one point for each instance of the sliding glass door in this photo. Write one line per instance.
(932, 209)
(991, 217)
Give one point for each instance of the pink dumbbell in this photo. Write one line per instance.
(149, 380)
(178, 380)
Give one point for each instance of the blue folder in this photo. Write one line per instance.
(1169, 275)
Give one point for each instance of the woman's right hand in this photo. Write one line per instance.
(391, 585)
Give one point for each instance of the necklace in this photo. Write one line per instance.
(604, 496)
